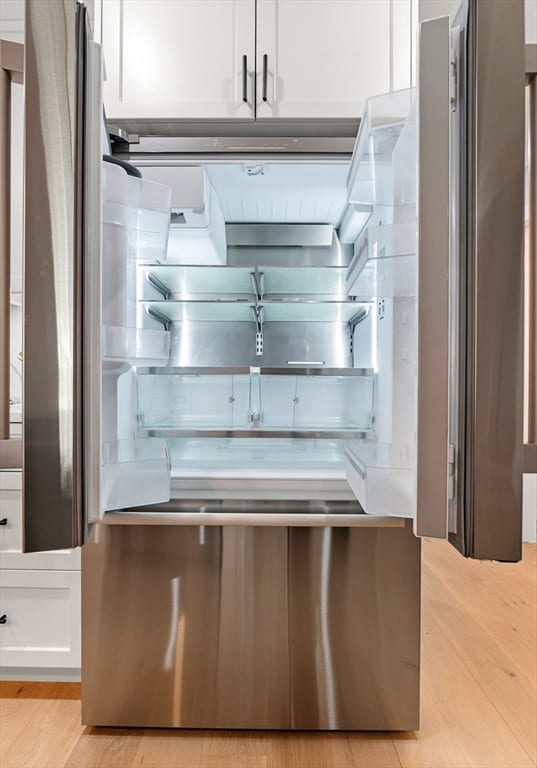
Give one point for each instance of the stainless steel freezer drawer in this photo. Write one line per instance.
(251, 627)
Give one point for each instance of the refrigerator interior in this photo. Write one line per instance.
(259, 326)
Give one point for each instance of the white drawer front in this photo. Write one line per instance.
(11, 520)
(41, 611)
(11, 555)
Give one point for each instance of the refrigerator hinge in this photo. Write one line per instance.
(452, 471)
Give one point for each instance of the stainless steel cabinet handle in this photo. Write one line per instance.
(3, 521)
(265, 76)
(3, 619)
(245, 78)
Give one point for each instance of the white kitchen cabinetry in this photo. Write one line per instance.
(39, 595)
(178, 58)
(39, 619)
(185, 58)
(323, 59)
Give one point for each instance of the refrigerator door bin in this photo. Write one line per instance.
(135, 472)
(382, 477)
(371, 177)
(142, 207)
(142, 346)
(384, 263)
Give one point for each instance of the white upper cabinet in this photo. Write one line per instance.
(242, 59)
(323, 59)
(178, 59)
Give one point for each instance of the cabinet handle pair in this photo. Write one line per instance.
(245, 77)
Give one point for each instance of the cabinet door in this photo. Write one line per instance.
(178, 58)
(322, 59)
(39, 619)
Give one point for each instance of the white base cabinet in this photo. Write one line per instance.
(40, 618)
(39, 598)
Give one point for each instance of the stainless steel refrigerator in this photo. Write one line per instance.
(250, 443)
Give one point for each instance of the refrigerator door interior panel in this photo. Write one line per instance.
(52, 281)
(93, 145)
(442, 253)
(433, 278)
(134, 471)
(401, 169)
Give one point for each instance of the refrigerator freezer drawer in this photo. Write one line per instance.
(251, 627)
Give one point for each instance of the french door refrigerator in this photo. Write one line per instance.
(250, 449)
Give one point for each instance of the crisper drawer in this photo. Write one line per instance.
(40, 618)
(11, 555)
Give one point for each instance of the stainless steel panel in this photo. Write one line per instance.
(282, 235)
(216, 138)
(494, 365)
(256, 519)
(336, 255)
(233, 344)
(52, 448)
(433, 278)
(251, 627)
(313, 513)
(352, 433)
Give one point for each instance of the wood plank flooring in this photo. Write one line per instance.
(479, 699)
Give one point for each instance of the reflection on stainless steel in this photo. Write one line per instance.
(314, 433)
(267, 627)
(52, 234)
(282, 235)
(210, 139)
(232, 343)
(495, 322)
(327, 698)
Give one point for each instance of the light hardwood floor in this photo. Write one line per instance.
(479, 702)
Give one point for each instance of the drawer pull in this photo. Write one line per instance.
(3, 521)
(3, 619)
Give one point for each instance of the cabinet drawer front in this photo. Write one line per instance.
(11, 520)
(40, 619)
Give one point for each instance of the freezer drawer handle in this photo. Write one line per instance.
(245, 78)
(265, 76)
(3, 619)
(3, 521)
